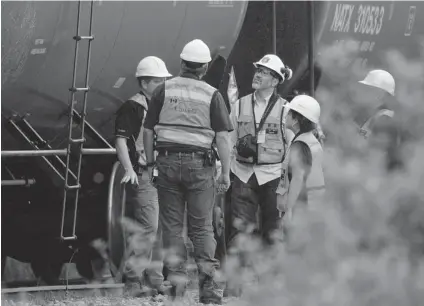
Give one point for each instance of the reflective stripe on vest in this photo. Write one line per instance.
(366, 128)
(315, 183)
(139, 144)
(273, 149)
(185, 114)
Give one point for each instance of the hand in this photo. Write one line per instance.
(223, 183)
(130, 176)
(150, 172)
(282, 202)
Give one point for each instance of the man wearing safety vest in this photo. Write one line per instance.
(259, 147)
(378, 125)
(187, 115)
(141, 197)
(303, 177)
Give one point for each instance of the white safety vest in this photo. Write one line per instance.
(272, 150)
(366, 129)
(315, 183)
(185, 115)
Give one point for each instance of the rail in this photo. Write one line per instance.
(22, 182)
(59, 152)
(311, 49)
(274, 27)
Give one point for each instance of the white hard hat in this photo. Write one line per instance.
(307, 106)
(274, 63)
(196, 51)
(152, 66)
(380, 79)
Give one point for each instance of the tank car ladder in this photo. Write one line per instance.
(79, 142)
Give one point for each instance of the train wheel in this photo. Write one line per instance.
(116, 233)
(48, 272)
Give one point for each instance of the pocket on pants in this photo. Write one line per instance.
(167, 176)
(200, 177)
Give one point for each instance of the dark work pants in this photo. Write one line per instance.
(246, 198)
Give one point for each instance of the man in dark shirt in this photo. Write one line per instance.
(188, 115)
(142, 209)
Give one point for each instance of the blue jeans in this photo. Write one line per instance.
(144, 245)
(183, 178)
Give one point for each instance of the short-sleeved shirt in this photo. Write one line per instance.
(219, 116)
(129, 119)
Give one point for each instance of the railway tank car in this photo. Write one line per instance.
(37, 63)
(37, 71)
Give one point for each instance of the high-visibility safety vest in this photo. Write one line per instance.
(185, 115)
(366, 128)
(272, 150)
(139, 144)
(315, 183)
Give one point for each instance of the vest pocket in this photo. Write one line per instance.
(271, 152)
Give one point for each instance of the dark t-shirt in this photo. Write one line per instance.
(129, 118)
(388, 128)
(219, 116)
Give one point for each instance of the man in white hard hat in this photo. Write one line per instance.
(259, 142)
(141, 197)
(376, 121)
(188, 115)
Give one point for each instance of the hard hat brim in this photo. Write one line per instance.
(300, 111)
(195, 60)
(165, 75)
(364, 82)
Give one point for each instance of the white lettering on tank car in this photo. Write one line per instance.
(369, 19)
(220, 3)
(38, 51)
(342, 16)
(411, 20)
(119, 82)
(39, 41)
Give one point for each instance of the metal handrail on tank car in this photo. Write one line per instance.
(59, 152)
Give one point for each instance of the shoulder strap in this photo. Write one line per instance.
(140, 99)
(273, 100)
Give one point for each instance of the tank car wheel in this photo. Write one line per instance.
(116, 233)
(48, 272)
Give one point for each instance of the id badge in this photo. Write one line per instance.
(261, 137)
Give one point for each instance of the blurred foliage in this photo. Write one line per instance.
(365, 244)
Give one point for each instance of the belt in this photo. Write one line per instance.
(140, 168)
(179, 153)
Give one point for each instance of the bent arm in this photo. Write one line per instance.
(122, 152)
(224, 148)
(148, 139)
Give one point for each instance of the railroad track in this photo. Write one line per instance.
(86, 295)
(61, 292)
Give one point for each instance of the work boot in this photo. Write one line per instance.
(232, 292)
(164, 288)
(209, 291)
(135, 289)
(177, 291)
